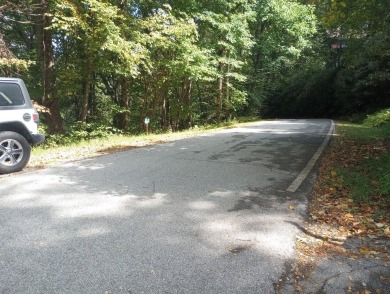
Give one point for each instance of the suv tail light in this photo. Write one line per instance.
(35, 118)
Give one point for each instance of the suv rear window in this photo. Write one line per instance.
(10, 95)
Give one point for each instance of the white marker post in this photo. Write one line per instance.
(147, 121)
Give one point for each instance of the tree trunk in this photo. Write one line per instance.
(165, 114)
(124, 118)
(87, 89)
(219, 99)
(186, 92)
(226, 92)
(46, 54)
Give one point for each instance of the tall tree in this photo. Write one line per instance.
(223, 30)
(46, 59)
(284, 32)
(103, 46)
(360, 33)
(27, 25)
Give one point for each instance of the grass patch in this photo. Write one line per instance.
(352, 191)
(370, 182)
(81, 144)
(79, 133)
(381, 171)
(363, 163)
(361, 133)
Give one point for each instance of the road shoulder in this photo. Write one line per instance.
(343, 247)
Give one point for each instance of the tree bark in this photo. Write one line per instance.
(219, 98)
(87, 89)
(225, 86)
(47, 62)
(186, 92)
(124, 118)
(85, 105)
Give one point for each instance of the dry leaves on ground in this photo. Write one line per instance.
(334, 216)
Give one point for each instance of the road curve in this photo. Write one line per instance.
(210, 214)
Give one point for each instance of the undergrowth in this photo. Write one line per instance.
(79, 133)
(377, 119)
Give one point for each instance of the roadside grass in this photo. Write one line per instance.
(59, 149)
(368, 177)
(352, 191)
(361, 133)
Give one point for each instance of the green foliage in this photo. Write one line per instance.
(363, 134)
(362, 27)
(13, 65)
(349, 62)
(285, 36)
(188, 62)
(379, 118)
(96, 25)
(81, 132)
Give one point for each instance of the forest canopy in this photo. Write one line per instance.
(109, 64)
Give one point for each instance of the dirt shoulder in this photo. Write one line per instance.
(344, 245)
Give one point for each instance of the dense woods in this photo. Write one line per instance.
(108, 64)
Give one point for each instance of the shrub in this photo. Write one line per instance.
(377, 119)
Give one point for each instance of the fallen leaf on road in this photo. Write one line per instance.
(387, 232)
(373, 251)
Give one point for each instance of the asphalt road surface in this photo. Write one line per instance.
(210, 214)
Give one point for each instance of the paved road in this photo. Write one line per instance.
(203, 215)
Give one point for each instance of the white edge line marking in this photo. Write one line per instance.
(304, 173)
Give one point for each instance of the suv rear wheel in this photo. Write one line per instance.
(14, 152)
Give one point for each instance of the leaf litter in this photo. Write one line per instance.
(338, 227)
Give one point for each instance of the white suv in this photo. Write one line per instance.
(19, 123)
